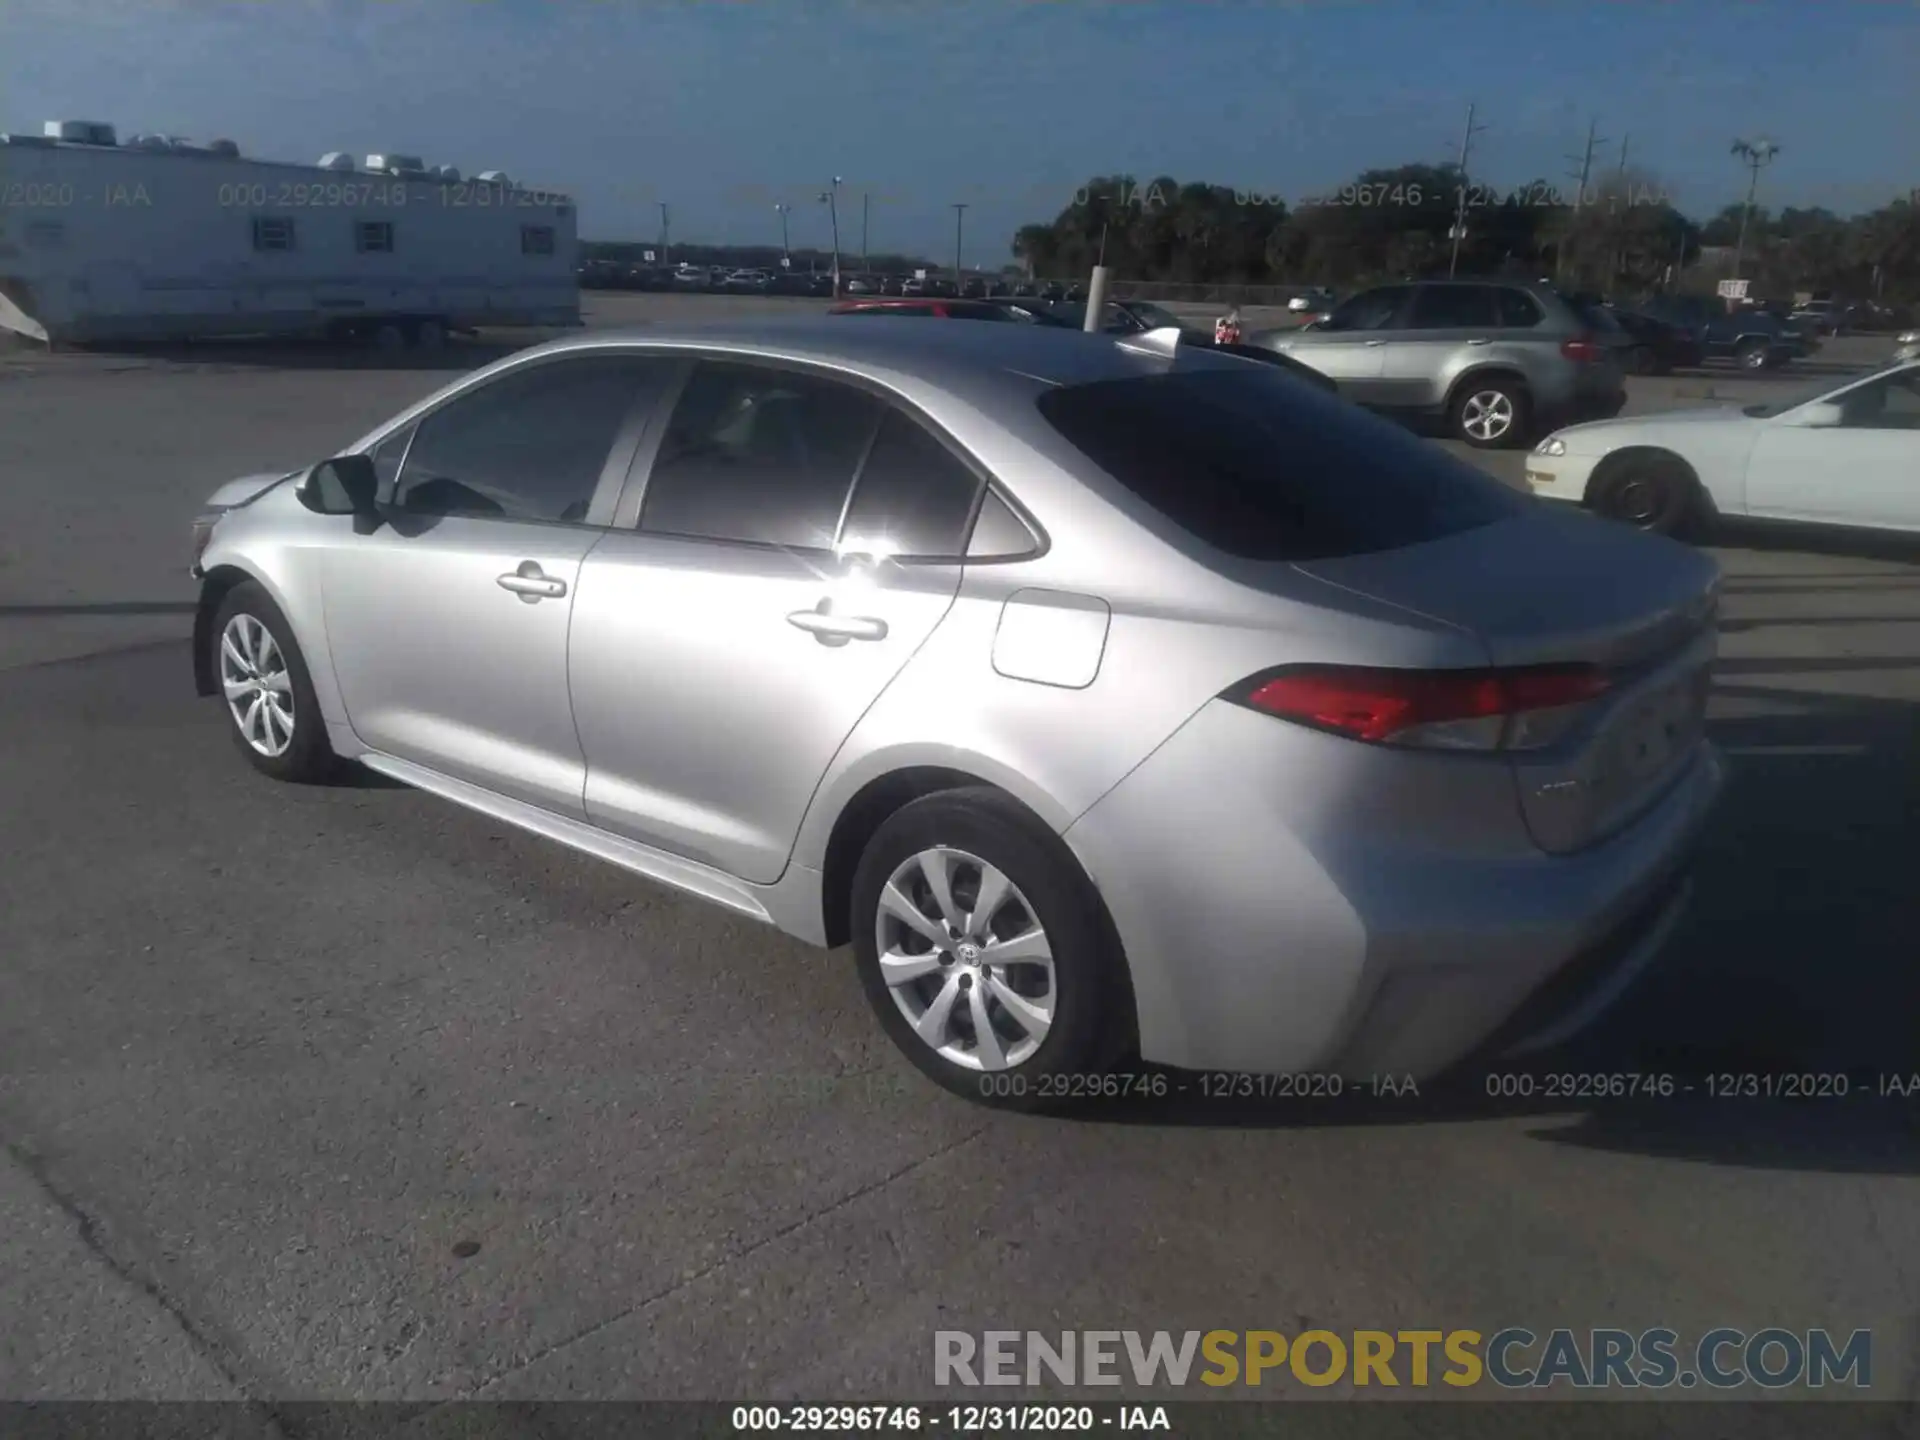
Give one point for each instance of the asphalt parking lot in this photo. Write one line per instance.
(342, 1093)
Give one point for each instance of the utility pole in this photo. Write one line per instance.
(786, 250)
(959, 222)
(1756, 155)
(1584, 177)
(666, 235)
(1618, 258)
(865, 264)
(831, 199)
(1459, 231)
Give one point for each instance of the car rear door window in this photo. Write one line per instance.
(1453, 307)
(528, 446)
(1518, 310)
(914, 497)
(1260, 468)
(758, 455)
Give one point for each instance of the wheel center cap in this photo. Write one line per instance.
(968, 953)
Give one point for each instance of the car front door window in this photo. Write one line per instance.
(1370, 310)
(528, 446)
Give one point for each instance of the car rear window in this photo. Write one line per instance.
(1259, 467)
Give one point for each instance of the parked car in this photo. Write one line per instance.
(1821, 317)
(1907, 345)
(1498, 362)
(749, 282)
(1753, 338)
(1657, 347)
(1172, 733)
(1844, 454)
(861, 285)
(691, 277)
(1315, 301)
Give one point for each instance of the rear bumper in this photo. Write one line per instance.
(1276, 925)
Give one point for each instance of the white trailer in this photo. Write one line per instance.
(159, 239)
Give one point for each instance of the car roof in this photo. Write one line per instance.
(960, 358)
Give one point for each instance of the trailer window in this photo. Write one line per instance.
(536, 240)
(272, 234)
(373, 237)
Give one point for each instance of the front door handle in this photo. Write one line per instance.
(530, 584)
(1370, 344)
(831, 629)
(1479, 342)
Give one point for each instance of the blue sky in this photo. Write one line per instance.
(723, 107)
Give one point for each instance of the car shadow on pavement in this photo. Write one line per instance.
(111, 607)
(458, 354)
(1775, 538)
(1796, 970)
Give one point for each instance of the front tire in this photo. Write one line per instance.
(1754, 355)
(266, 690)
(982, 949)
(1655, 493)
(1489, 414)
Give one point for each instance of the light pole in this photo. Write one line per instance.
(1756, 155)
(786, 250)
(666, 235)
(865, 263)
(831, 199)
(959, 224)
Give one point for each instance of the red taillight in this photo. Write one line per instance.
(1420, 706)
(1583, 348)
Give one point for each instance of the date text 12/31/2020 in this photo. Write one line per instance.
(1394, 195)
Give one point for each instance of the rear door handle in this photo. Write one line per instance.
(530, 584)
(1370, 344)
(1479, 342)
(831, 629)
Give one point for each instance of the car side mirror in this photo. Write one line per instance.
(1824, 416)
(344, 485)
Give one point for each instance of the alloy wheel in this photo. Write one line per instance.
(1487, 416)
(258, 687)
(965, 958)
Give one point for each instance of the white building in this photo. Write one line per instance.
(159, 239)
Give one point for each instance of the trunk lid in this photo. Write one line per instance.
(1552, 587)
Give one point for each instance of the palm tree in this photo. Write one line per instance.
(1755, 154)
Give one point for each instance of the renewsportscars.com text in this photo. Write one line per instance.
(1512, 1358)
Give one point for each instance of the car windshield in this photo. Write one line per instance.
(1807, 395)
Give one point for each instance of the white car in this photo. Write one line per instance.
(1846, 455)
(1908, 342)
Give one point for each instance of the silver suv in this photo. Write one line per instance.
(1500, 362)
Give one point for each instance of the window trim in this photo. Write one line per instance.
(627, 436)
(527, 232)
(632, 499)
(360, 229)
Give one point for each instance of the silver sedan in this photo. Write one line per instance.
(1112, 699)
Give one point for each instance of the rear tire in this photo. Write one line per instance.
(1490, 414)
(388, 338)
(266, 690)
(1053, 1009)
(430, 336)
(1642, 361)
(1754, 355)
(1656, 493)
